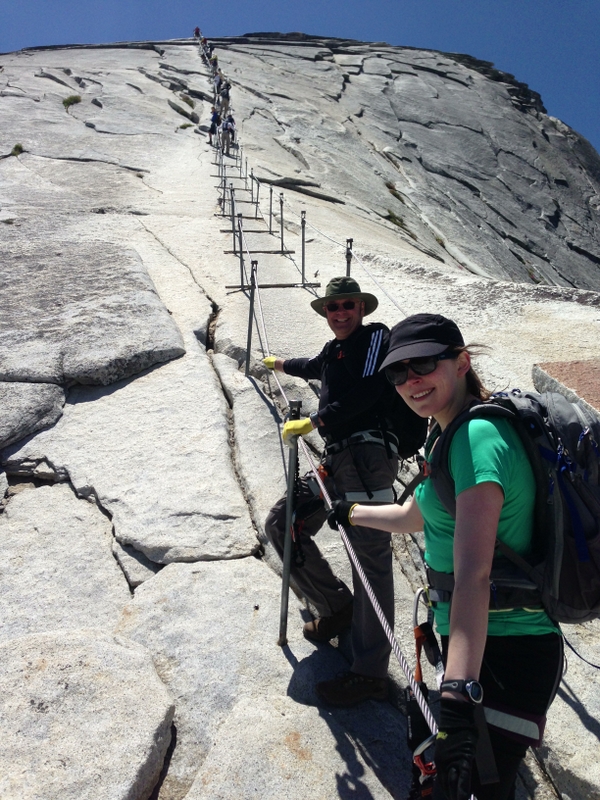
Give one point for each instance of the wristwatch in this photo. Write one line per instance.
(470, 689)
(314, 418)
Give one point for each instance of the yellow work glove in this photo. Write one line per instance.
(296, 427)
(269, 362)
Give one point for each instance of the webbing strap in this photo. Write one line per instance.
(419, 642)
(484, 754)
(410, 488)
(531, 729)
(562, 466)
(379, 496)
(425, 640)
(583, 553)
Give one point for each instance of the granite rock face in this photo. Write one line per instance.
(462, 197)
(80, 313)
(230, 679)
(84, 716)
(75, 306)
(275, 747)
(71, 579)
(28, 407)
(459, 156)
(155, 461)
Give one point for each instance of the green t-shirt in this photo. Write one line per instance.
(485, 450)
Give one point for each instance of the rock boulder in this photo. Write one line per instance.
(84, 716)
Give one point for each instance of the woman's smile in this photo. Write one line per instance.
(420, 395)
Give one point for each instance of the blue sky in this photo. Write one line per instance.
(552, 45)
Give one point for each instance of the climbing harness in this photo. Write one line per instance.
(362, 437)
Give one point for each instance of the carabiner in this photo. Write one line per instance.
(426, 768)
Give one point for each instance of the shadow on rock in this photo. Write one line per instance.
(370, 737)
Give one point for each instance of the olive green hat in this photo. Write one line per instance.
(343, 288)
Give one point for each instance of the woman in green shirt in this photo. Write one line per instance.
(506, 661)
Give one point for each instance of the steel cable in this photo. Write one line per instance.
(355, 255)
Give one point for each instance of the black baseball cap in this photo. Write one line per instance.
(422, 335)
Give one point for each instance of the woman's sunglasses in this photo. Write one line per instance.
(397, 374)
(348, 305)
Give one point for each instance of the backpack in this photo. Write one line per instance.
(562, 441)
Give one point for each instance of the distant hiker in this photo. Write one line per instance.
(218, 80)
(215, 121)
(361, 461)
(225, 137)
(224, 96)
(506, 662)
(231, 128)
(196, 33)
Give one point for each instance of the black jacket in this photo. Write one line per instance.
(354, 394)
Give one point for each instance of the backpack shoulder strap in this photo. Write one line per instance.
(439, 462)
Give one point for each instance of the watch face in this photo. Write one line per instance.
(475, 691)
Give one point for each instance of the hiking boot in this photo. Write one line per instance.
(350, 688)
(322, 629)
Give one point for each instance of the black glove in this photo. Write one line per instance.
(455, 748)
(339, 511)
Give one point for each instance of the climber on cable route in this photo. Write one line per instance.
(360, 463)
(502, 665)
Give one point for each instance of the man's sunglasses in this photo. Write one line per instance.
(397, 374)
(348, 305)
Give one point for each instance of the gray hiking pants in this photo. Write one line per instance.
(351, 470)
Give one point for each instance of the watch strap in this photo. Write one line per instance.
(463, 687)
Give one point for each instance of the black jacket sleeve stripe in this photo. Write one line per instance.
(373, 353)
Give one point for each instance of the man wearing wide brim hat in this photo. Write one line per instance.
(361, 461)
(345, 288)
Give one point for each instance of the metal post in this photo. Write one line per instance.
(281, 216)
(348, 255)
(239, 222)
(257, 193)
(246, 175)
(224, 190)
(241, 160)
(251, 316)
(295, 406)
(270, 209)
(252, 185)
(232, 192)
(303, 223)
